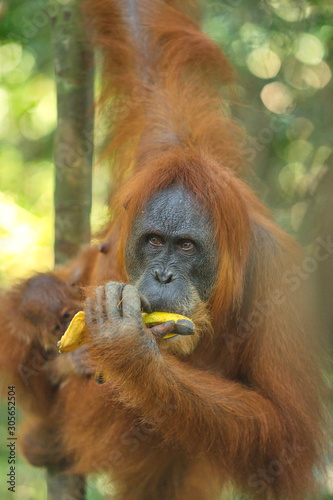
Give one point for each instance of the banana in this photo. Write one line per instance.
(76, 334)
(101, 377)
(183, 325)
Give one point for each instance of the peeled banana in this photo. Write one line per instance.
(183, 325)
(76, 334)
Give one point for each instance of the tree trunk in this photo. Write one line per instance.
(65, 486)
(74, 71)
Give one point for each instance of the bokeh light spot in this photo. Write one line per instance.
(317, 76)
(309, 49)
(298, 150)
(4, 107)
(253, 35)
(277, 98)
(290, 176)
(292, 10)
(299, 128)
(264, 63)
(10, 56)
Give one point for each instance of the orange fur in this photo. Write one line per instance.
(247, 396)
(33, 315)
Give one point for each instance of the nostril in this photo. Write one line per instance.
(168, 278)
(163, 277)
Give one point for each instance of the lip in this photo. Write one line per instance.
(162, 306)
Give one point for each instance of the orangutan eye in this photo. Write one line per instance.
(187, 246)
(155, 241)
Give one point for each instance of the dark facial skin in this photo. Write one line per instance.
(171, 255)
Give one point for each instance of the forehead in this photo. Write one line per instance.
(174, 211)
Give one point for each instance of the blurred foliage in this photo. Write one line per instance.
(282, 50)
(27, 121)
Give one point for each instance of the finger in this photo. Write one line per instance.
(145, 304)
(113, 300)
(163, 329)
(184, 327)
(131, 302)
(81, 362)
(100, 312)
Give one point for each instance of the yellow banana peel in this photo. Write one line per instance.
(76, 334)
